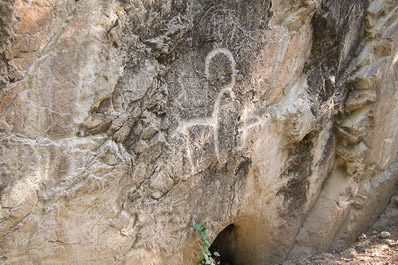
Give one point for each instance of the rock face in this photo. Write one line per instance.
(124, 123)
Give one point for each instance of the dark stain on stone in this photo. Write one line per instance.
(298, 170)
(243, 168)
(338, 30)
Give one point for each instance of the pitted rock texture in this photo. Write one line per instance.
(125, 123)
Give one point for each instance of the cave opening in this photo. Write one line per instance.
(225, 245)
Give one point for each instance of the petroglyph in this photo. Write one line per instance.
(250, 121)
(196, 131)
(213, 120)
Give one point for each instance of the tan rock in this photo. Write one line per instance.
(125, 123)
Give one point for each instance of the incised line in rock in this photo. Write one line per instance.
(213, 120)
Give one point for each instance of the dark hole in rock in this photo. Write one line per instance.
(225, 245)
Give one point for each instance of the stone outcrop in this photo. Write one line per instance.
(124, 123)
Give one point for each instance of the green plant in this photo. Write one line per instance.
(206, 256)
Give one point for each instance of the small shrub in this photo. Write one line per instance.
(207, 258)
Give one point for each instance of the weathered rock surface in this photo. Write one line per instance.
(123, 123)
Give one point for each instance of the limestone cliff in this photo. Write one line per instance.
(125, 122)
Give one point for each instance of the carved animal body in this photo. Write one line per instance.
(214, 122)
